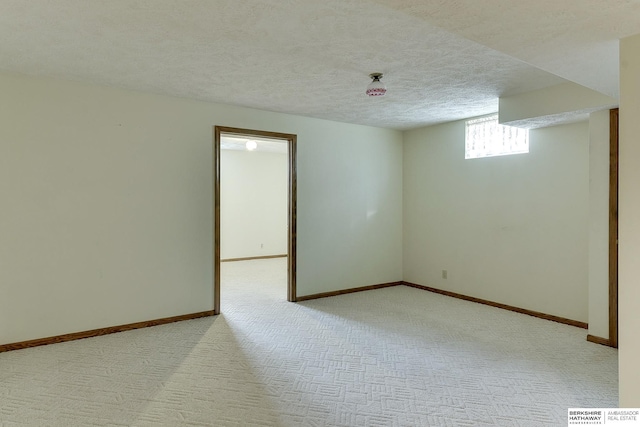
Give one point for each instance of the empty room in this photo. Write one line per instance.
(452, 241)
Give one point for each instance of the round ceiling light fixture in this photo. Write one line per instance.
(251, 145)
(376, 87)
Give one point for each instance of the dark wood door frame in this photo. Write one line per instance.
(292, 202)
(613, 227)
(612, 340)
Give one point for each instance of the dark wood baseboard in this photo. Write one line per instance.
(101, 331)
(599, 340)
(148, 323)
(253, 257)
(348, 291)
(537, 314)
(551, 317)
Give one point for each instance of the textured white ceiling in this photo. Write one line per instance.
(575, 39)
(442, 59)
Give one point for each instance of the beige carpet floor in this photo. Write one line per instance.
(390, 357)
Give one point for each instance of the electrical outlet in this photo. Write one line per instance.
(444, 274)
(261, 245)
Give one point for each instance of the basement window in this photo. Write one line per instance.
(485, 137)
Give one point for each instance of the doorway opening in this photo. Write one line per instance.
(219, 132)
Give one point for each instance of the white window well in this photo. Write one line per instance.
(485, 137)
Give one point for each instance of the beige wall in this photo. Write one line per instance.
(254, 203)
(106, 200)
(352, 194)
(510, 229)
(629, 223)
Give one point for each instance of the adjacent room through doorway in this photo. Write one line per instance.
(254, 221)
